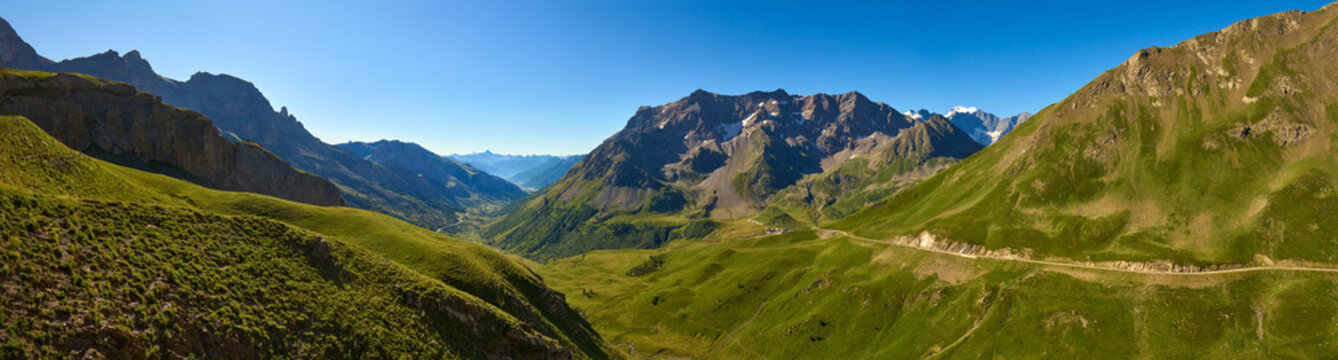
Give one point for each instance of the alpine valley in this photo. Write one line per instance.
(1179, 205)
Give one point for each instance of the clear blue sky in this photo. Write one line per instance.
(561, 76)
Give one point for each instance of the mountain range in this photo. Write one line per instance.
(678, 169)
(1179, 205)
(241, 112)
(985, 128)
(531, 172)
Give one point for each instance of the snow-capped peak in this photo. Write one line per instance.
(913, 115)
(962, 110)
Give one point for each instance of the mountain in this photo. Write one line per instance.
(1216, 150)
(505, 166)
(466, 185)
(1181, 205)
(877, 167)
(116, 122)
(985, 128)
(241, 112)
(678, 170)
(529, 171)
(105, 261)
(548, 172)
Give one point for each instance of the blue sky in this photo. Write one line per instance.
(561, 76)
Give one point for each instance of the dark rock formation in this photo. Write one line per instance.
(118, 123)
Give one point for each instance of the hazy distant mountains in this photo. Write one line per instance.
(531, 172)
(241, 112)
(985, 128)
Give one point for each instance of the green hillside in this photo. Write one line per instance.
(802, 296)
(1217, 150)
(207, 272)
(1066, 239)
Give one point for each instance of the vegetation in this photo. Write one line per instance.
(1206, 172)
(799, 295)
(263, 276)
(1215, 151)
(555, 231)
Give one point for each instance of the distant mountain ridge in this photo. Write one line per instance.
(531, 172)
(471, 187)
(241, 112)
(546, 173)
(985, 128)
(676, 169)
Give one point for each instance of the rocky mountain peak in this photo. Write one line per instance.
(15, 52)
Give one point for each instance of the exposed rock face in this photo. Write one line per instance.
(116, 122)
(741, 148)
(873, 168)
(241, 112)
(711, 156)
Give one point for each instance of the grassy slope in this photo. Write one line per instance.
(798, 296)
(475, 268)
(491, 283)
(1152, 159)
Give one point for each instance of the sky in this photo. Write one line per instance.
(559, 77)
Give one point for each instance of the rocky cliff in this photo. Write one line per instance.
(118, 123)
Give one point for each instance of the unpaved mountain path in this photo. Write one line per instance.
(831, 232)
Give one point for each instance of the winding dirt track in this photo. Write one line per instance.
(1087, 266)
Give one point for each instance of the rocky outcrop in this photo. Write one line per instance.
(118, 123)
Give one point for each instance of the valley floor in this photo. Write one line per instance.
(828, 294)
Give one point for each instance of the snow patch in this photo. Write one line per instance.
(962, 110)
(749, 120)
(913, 115)
(994, 135)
